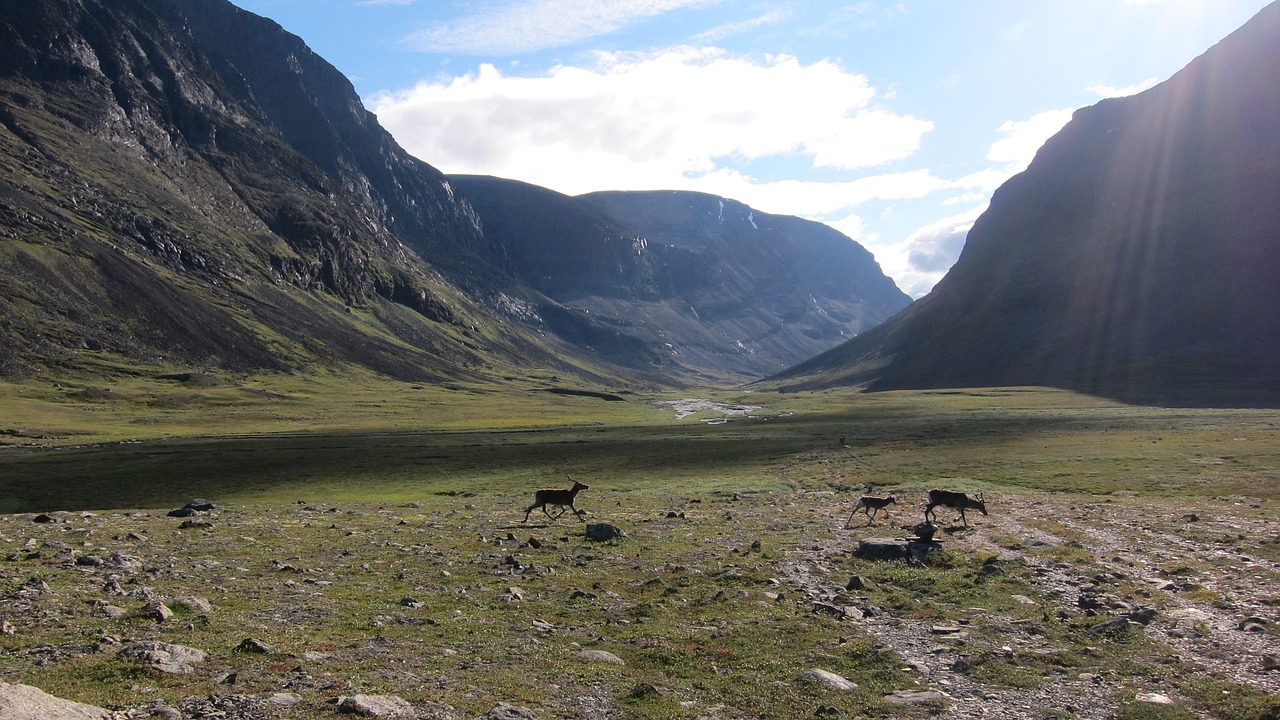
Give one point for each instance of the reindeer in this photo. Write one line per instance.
(560, 498)
(955, 500)
(870, 505)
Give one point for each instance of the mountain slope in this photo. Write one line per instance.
(185, 183)
(1135, 258)
(691, 284)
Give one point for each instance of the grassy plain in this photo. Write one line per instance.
(370, 534)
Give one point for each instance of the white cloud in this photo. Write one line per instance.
(678, 119)
(919, 262)
(769, 18)
(528, 25)
(1024, 137)
(1110, 91)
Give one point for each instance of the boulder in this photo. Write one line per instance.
(603, 531)
(164, 657)
(24, 702)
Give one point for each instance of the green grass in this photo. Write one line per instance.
(343, 497)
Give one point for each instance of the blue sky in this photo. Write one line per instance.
(890, 121)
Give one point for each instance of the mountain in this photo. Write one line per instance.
(1137, 257)
(186, 185)
(701, 286)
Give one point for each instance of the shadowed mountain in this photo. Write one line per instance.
(702, 286)
(1137, 257)
(186, 185)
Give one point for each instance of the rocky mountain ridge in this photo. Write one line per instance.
(188, 186)
(682, 278)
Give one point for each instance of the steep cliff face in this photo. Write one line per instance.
(685, 283)
(187, 183)
(1135, 258)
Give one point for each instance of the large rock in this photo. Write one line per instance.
(604, 531)
(829, 679)
(895, 549)
(23, 702)
(167, 658)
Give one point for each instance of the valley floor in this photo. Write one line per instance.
(1128, 568)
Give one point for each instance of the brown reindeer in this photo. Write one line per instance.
(870, 505)
(956, 501)
(560, 498)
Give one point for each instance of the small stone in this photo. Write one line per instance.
(604, 531)
(252, 645)
(193, 604)
(857, 582)
(830, 679)
(1153, 698)
(503, 711)
(380, 706)
(284, 699)
(602, 656)
(914, 697)
(157, 611)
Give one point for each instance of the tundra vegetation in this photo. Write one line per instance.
(368, 540)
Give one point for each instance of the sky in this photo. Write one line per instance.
(891, 121)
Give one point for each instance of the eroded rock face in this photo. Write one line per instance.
(24, 702)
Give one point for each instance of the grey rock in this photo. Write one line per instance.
(381, 706)
(915, 697)
(193, 604)
(503, 711)
(602, 656)
(284, 699)
(157, 611)
(604, 531)
(24, 702)
(165, 657)
(829, 679)
(253, 646)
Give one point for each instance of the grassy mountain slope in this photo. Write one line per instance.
(188, 185)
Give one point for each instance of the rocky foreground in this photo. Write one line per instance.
(708, 607)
